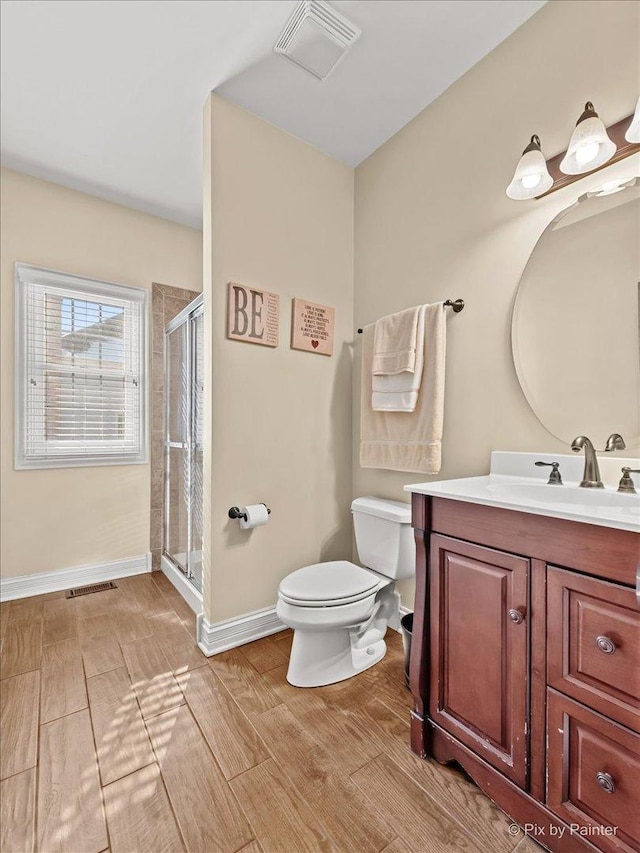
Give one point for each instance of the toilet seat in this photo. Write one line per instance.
(328, 584)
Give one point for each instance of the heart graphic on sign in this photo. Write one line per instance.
(314, 344)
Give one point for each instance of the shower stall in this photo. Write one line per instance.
(184, 383)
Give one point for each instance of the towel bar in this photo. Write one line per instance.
(456, 304)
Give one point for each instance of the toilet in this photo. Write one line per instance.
(339, 612)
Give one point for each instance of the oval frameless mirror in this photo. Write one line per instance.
(575, 327)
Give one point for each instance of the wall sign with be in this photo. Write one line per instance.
(253, 315)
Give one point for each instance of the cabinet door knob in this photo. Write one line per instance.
(606, 645)
(516, 616)
(605, 780)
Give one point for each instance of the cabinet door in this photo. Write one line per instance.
(479, 648)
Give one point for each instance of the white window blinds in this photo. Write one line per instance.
(81, 370)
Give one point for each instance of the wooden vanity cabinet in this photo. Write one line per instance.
(525, 667)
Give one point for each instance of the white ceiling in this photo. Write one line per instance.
(106, 96)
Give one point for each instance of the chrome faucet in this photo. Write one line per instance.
(591, 476)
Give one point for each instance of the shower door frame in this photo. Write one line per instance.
(185, 317)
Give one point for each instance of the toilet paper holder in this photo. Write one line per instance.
(236, 512)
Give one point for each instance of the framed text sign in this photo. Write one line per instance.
(253, 315)
(312, 327)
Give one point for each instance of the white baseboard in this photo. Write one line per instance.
(179, 581)
(24, 586)
(221, 636)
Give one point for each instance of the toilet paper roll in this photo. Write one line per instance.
(257, 514)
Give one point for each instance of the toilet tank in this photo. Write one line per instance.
(384, 536)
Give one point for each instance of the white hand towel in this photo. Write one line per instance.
(395, 339)
(394, 401)
(400, 441)
(399, 391)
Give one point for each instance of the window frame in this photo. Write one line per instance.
(92, 288)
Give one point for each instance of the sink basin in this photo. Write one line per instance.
(543, 494)
(514, 484)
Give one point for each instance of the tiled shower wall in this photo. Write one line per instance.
(166, 303)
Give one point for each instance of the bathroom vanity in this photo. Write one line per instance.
(525, 665)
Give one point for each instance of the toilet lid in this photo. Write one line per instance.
(322, 584)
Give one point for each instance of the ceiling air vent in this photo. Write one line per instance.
(316, 37)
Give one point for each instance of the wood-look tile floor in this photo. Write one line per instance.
(118, 735)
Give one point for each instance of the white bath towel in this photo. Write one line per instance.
(394, 345)
(398, 392)
(401, 441)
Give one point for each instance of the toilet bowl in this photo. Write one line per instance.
(340, 611)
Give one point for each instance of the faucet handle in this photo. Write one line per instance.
(614, 442)
(626, 481)
(554, 477)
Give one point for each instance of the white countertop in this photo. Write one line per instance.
(512, 490)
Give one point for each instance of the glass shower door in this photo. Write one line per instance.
(183, 441)
(196, 408)
(176, 527)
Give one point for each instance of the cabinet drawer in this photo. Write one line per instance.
(593, 775)
(593, 644)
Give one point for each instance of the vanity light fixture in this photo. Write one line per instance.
(531, 177)
(633, 133)
(590, 146)
(611, 187)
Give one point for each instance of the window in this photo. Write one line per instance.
(80, 370)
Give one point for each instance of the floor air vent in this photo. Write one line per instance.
(87, 590)
(316, 37)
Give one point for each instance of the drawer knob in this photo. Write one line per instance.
(605, 780)
(516, 616)
(606, 645)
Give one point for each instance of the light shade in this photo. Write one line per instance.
(611, 187)
(531, 177)
(633, 131)
(589, 146)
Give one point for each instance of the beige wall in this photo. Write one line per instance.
(280, 215)
(60, 518)
(433, 221)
